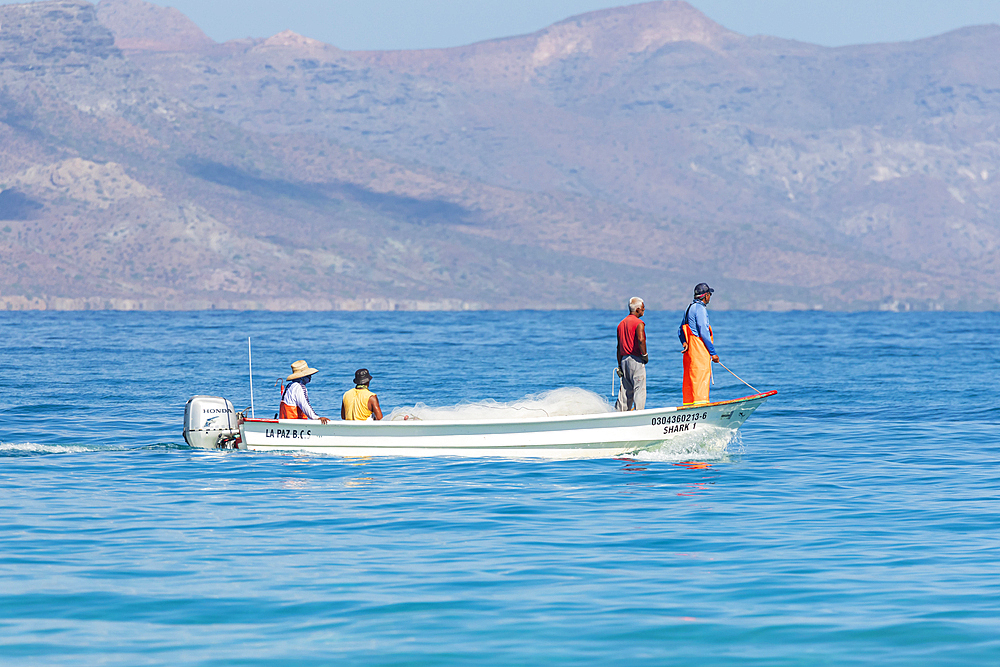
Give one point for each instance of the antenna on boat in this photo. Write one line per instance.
(250, 359)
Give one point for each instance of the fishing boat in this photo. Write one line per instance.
(211, 422)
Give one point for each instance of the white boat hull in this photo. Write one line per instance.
(586, 436)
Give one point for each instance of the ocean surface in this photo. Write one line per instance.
(854, 521)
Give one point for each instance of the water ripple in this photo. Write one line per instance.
(853, 520)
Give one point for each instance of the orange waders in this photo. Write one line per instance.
(697, 367)
(290, 412)
(286, 411)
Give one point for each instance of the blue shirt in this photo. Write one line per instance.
(697, 319)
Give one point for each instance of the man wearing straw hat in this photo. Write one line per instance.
(295, 398)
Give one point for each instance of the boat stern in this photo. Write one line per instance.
(211, 422)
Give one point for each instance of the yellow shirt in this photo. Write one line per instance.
(356, 404)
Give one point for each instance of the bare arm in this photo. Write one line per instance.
(375, 407)
(302, 402)
(640, 335)
(343, 413)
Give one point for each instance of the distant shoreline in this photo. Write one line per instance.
(381, 304)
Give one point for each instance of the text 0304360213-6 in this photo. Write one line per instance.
(681, 418)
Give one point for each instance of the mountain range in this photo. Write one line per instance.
(635, 150)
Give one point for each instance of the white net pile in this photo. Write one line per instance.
(565, 402)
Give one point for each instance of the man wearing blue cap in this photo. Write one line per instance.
(698, 346)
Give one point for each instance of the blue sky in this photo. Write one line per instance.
(401, 24)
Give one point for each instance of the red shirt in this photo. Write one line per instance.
(628, 341)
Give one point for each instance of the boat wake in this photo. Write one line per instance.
(13, 449)
(709, 443)
(564, 402)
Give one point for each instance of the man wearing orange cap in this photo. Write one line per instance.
(295, 398)
(698, 346)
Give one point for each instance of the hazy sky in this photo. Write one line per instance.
(401, 24)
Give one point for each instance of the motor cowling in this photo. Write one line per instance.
(210, 422)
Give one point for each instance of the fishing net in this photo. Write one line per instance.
(565, 402)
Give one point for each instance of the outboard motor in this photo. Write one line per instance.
(210, 422)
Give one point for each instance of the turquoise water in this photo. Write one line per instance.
(856, 521)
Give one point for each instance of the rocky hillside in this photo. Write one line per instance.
(633, 150)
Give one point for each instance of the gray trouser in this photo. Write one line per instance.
(632, 394)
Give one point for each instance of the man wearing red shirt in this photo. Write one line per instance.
(632, 358)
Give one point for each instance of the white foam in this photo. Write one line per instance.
(564, 402)
(10, 448)
(708, 443)
(29, 448)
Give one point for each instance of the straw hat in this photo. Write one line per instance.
(300, 369)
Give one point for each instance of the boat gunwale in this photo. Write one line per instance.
(527, 420)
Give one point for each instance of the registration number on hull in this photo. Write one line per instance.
(678, 423)
(681, 418)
